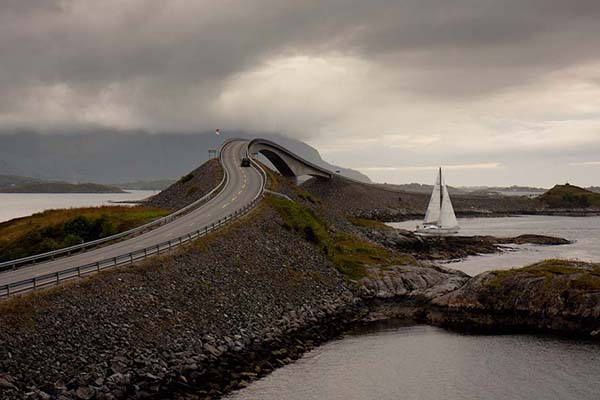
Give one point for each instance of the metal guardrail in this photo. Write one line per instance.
(67, 251)
(56, 278)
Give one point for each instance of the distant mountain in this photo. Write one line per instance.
(108, 156)
(21, 184)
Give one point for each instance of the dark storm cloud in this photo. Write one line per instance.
(179, 44)
(471, 79)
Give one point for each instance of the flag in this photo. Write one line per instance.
(218, 131)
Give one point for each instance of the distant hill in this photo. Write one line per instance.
(21, 184)
(472, 190)
(159, 184)
(107, 156)
(570, 196)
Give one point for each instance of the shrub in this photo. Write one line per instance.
(186, 178)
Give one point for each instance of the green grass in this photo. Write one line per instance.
(186, 178)
(191, 190)
(349, 253)
(55, 229)
(368, 223)
(584, 276)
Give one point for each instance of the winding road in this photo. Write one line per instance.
(243, 185)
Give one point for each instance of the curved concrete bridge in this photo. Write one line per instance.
(286, 162)
(241, 191)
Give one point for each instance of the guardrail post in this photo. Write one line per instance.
(34, 282)
(131, 258)
(115, 261)
(57, 278)
(98, 266)
(158, 249)
(145, 252)
(8, 290)
(169, 245)
(79, 272)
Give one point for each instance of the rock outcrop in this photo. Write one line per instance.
(453, 247)
(190, 187)
(550, 296)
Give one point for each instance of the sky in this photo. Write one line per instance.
(498, 92)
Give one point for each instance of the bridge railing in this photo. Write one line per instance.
(67, 251)
(59, 277)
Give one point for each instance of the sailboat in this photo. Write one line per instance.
(440, 218)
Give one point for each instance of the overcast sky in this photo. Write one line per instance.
(497, 91)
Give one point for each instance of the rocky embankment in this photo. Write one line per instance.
(199, 322)
(190, 187)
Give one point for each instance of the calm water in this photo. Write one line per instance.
(13, 205)
(585, 231)
(423, 363)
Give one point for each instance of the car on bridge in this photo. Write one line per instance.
(245, 162)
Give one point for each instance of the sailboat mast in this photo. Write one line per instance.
(441, 186)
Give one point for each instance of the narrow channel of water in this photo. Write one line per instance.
(424, 362)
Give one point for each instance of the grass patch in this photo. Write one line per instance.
(191, 190)
(301, 220)
(56, 229)
(583, 276)
(368, 223)
(186, 178)
(349, 253)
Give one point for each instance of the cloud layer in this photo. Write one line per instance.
(391, 87)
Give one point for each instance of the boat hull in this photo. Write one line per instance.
(436, 231)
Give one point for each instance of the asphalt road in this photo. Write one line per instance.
(244, 184)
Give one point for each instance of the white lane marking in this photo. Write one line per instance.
(169, 234)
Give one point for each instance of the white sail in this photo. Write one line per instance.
(432, 216)
(447, 216)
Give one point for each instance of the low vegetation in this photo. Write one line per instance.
(349, 253)
(186, 178)
(581, 275)
(570, 196)
(56, 229)
(368, 223)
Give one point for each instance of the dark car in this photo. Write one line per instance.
(245, 162)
